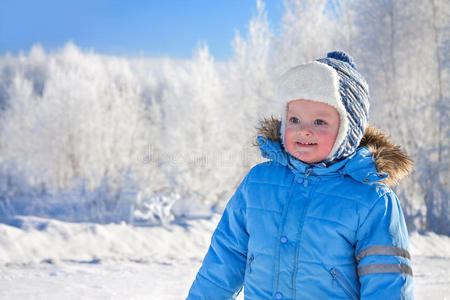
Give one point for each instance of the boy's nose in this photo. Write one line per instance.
(305, 131)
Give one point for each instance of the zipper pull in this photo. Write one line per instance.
(250, 260)
(333, 273)
(305, 182)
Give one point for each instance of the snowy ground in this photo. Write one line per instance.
(49, 259)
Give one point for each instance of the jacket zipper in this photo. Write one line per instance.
(305, 182)
(299, 237)
(344, 284)
(250, 260)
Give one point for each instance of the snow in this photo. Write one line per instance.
(97, 281)
(50, 259)
(105, 161)
(35, 240)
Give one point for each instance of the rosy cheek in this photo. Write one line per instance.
(325, 136)
(288, 131)
(288, 135)
(321, 133)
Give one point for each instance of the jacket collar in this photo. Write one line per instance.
(360, 165)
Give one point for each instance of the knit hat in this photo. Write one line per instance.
(335, 81)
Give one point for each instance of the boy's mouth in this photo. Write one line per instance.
(305, 144)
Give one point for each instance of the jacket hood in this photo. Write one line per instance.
(388, 158)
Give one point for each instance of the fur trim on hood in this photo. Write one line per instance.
(389, 158)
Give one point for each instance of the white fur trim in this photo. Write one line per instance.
(317, 82)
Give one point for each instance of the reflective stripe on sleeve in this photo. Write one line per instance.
(384, 268)
(382, 250)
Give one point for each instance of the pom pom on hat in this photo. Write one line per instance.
(335, 81)
(342, 56)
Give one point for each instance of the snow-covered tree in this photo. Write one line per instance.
(401, 45)
(161, 128)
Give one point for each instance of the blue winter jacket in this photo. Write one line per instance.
(296, 231)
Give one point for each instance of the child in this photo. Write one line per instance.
(317, 221)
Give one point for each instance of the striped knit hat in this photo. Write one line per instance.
(335, 81)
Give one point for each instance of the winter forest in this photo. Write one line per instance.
(96, 138)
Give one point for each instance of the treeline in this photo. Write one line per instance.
(74, 118)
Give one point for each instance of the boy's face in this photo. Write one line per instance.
(311, 129)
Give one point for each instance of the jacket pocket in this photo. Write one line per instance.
(343, 282)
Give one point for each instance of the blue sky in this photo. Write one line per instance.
(153, 28)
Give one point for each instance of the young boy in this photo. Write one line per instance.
(317, 221)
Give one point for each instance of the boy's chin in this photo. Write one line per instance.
(305, 158)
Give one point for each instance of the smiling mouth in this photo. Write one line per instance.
(305, 144)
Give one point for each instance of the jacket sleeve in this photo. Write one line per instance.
(382, 252)
(221, 275)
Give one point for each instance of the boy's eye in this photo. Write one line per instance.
(319, 122)
(294, 120)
